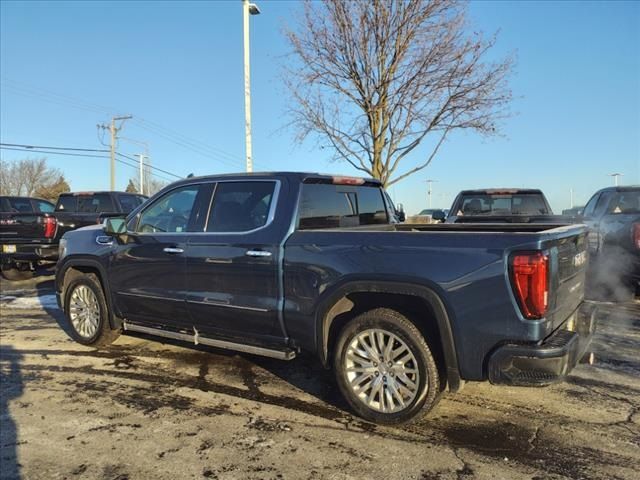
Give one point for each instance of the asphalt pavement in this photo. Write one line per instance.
(149, 408)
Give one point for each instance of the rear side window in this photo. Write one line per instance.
(240, 206)
(129, 202)
(96, 203)
(334, 206)
(44, 207)
(20, 205)
(67, 203)
(624, 202)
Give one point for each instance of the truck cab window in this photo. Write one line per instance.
(169, 213)
(67, 203)
(334, 206)
(240, 206)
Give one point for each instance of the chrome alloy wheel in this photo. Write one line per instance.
(84, 311)
(381, 370)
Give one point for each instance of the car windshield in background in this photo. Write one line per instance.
(503, 204)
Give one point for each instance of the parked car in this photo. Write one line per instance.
(428, 215)
(613, 217)
(30, 238)
(503, 205)
(276, 264)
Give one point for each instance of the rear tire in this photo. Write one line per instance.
(385, 368)
(14, 273)
(86, 310)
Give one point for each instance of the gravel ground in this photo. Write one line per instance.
(148, 408)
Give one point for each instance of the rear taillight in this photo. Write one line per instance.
(530, 281)
(50, 224)
(636, 235)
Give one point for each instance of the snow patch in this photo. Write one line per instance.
(29, 303)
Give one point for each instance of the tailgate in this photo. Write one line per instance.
(569, 261)
(21, 227)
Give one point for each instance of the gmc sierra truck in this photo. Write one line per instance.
(275, 264)
(30, 238)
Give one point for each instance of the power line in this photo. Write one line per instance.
(150, 166)
(53, 148)
(67, 154)
(196, 146)
(52, 153)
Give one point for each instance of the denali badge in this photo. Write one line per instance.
(580, 259)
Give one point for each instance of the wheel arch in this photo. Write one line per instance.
(421, 303)
(86, 265)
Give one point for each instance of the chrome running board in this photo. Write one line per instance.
(196, 338)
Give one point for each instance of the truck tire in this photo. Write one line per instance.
(385, 369)
(14, 273)
(87, 313)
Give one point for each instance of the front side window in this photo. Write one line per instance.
(170, 213)
(590, 208)
(334, 206)
(240, 206)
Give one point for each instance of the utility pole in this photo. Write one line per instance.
(429, 191)
(113, 131)
(247, 9)
(615, 177)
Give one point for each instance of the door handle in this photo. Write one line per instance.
(257, 253)
(172, 250)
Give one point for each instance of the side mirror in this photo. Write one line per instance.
(115, 226)
(400, 213)
(438, 215)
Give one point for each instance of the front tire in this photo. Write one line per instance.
(87, 312)
(16, 273)
(385, 368)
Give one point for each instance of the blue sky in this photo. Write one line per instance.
(67, 66)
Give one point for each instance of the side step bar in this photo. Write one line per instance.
(285, 354)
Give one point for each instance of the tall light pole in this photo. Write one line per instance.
(247, 9)
(141, 159)
(615, 177)
(429, 191)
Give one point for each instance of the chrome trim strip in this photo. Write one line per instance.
(197, 338)
(139, 295)
(225, 305)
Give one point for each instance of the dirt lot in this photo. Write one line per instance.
(150, 409)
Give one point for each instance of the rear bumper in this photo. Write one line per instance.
(549, 361)
(31, 253)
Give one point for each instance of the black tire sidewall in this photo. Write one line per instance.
(428, 385)
(14, 274)
(103, 323)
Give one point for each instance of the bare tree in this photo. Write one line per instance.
(375, 79)
(31, 177)
(152, 185)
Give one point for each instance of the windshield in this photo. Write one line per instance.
(502, 204)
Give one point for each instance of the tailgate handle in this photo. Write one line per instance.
(258, 253)
(173, 250)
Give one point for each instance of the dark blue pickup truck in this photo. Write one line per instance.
(274, 264)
